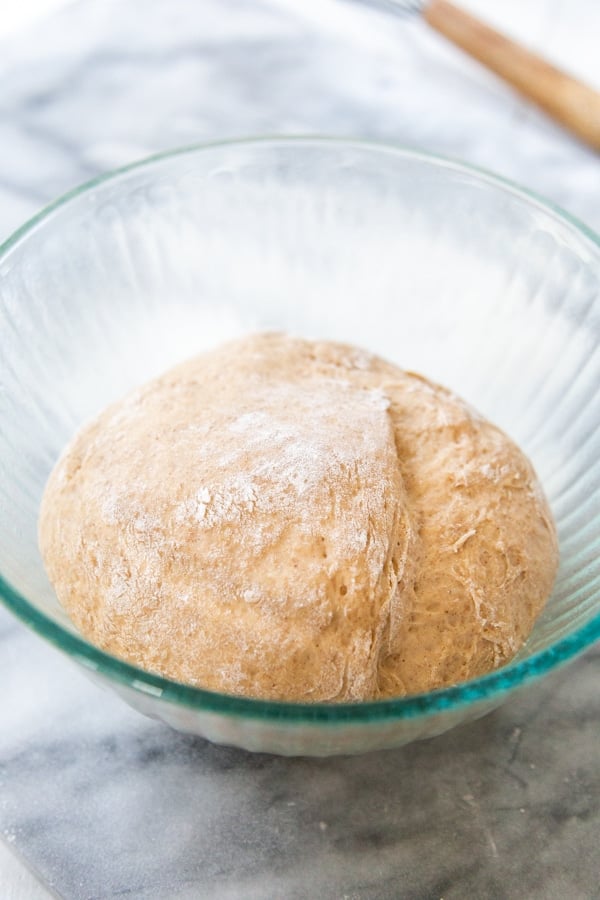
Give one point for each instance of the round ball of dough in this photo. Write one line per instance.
(295, 520)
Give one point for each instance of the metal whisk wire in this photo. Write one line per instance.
(398, 7)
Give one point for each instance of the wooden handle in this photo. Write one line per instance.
(573, 104)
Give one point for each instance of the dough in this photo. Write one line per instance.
(294, 520)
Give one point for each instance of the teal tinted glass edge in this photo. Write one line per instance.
(483, 688)
(486, 687)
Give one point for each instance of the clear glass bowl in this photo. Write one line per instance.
(441, 268)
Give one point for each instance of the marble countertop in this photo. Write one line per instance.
(100, 802)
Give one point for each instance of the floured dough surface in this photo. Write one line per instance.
(298, 520)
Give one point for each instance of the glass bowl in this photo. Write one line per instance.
(441, 268)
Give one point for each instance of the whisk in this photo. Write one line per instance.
(574, 105)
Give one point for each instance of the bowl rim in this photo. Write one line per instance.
(486, 687)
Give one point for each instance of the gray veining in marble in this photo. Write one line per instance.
(107, 804)
(103, 803)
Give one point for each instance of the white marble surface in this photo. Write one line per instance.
(18, 882)
(102, 803)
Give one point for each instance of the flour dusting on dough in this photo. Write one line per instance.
(299, 520)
